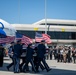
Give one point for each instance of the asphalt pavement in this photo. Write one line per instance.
(57, 69)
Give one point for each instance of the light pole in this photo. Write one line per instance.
(45, 19)
(19, 10)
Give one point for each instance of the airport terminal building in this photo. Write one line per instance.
(62, 32)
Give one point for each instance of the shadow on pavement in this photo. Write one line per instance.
(54, 71)
(4, 67)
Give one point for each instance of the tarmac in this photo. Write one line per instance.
(57, 69)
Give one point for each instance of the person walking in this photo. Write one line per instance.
(16, 56)
(29, 58)
(41, 56)
(23, 56)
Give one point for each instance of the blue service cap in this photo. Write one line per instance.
(19, 41)
(42, 40)
(12, 42)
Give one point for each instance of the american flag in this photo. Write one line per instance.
(39, 37)
(26, 40)
(8, 39)
(47, 39)
(18, 36)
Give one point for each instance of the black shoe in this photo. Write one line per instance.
(49, 70)
(37, 71)
(21, 70)
(24, 71)
(28, 70)
(17, 72)
(1, 65)
(43, 69)
(7, 68)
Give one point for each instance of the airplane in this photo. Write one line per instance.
(7, 28)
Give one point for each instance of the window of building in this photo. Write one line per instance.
(58, 24)
(53, 34)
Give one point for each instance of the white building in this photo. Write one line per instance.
(62, 32)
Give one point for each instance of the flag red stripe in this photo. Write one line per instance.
(8, 39)
(45, 37)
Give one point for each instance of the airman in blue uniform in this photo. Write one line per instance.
(16, 56)
(29, 58)
(41, 55)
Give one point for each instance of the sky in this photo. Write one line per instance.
(31, 11)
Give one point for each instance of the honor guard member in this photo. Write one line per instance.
(41, 55)
(29, 58)
(16, 56)
(23, 56)
(35, 58)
